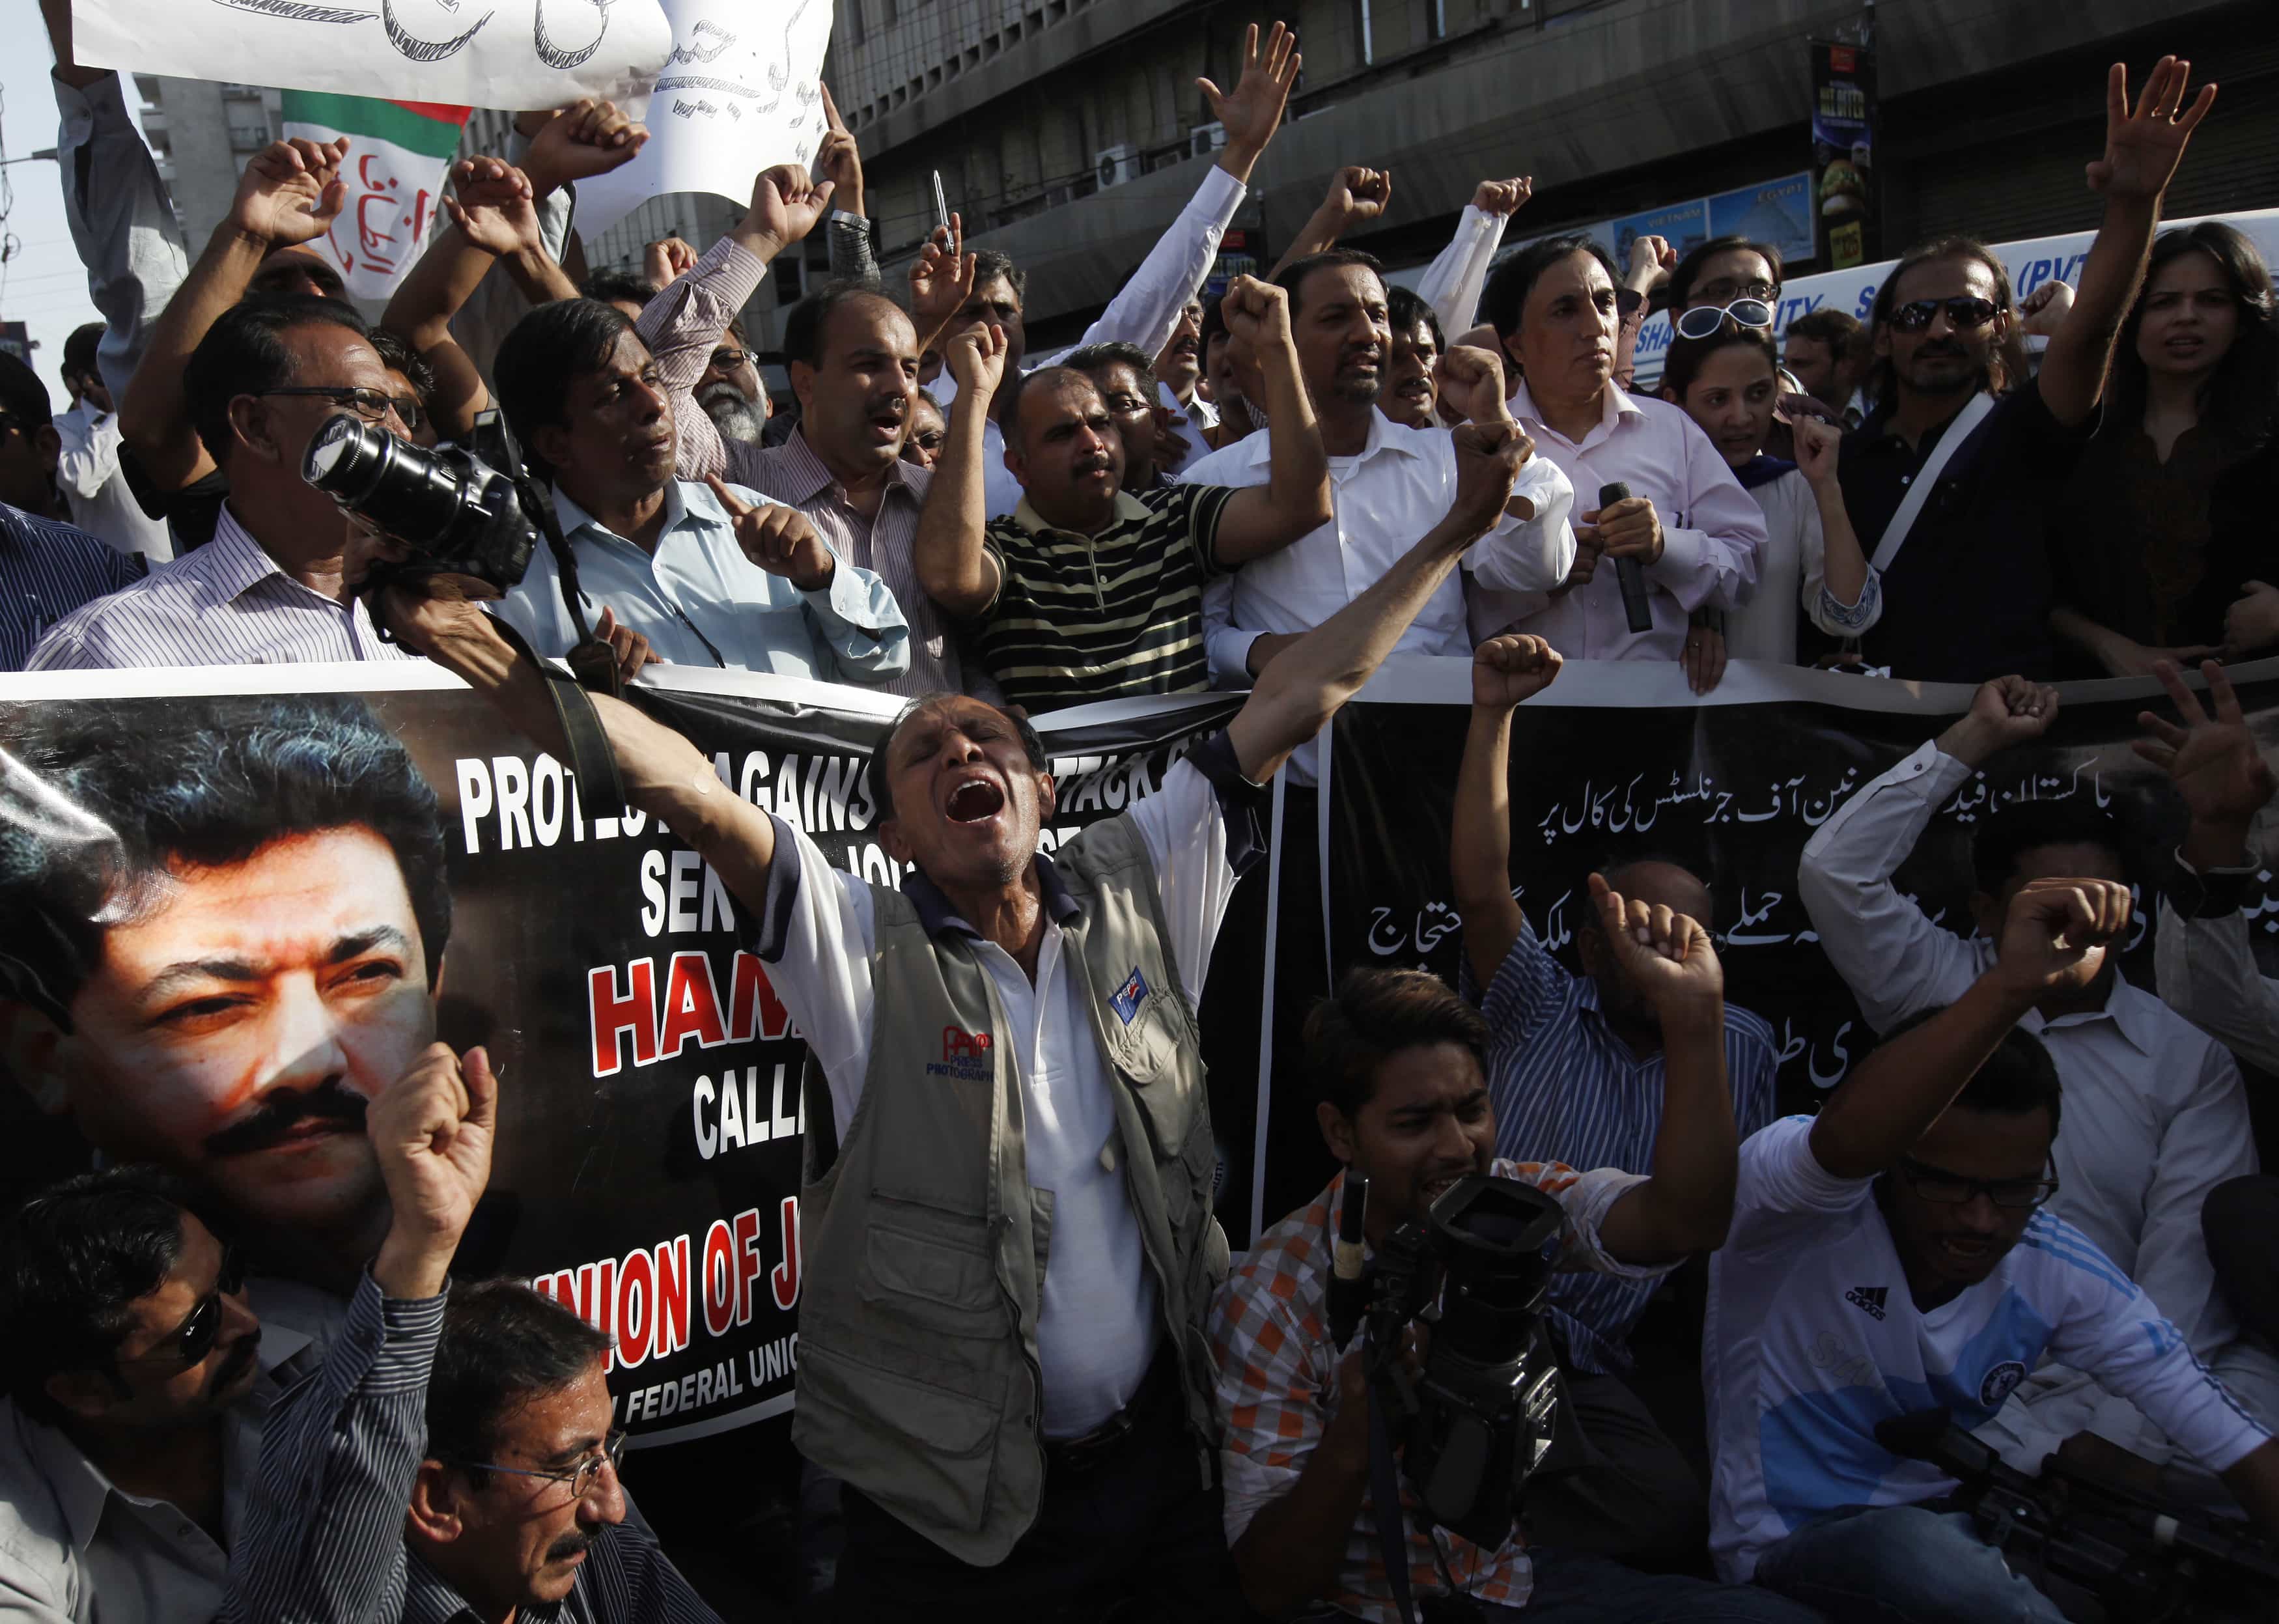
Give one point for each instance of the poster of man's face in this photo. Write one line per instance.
(223, 932)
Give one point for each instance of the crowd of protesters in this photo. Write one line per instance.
(1029, 1370)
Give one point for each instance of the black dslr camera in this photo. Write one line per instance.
(1476, 1422)
(467, 510)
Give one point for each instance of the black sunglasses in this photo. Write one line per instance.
(194, 1338)
(1964, 311)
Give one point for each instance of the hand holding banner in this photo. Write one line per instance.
(510, 53)
(737, 95)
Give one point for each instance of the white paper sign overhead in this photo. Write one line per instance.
(737, 95)
(476, 53)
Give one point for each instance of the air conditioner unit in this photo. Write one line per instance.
(1114, 165)
(1205, 138)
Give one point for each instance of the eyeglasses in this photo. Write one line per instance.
(370, 404)
(1703, 320)
(581, 1477)
(195, 1336)
(1964, 311)
(1942, 1187)
(727, 359)
(1725, 290)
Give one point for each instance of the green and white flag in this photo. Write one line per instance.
(398, 155)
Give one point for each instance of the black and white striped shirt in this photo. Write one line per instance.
(1079, 618)
(324, 1539)
(227, 603)
(48, 570)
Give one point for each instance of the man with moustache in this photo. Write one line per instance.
(1965, 577)
(137, 1383)
(729, 389)
(710, 574)
(1119, 372)
(854, 361)
(222, 926)
(1178, 373)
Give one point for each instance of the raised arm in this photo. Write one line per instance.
(2054, 938)
(1686, 1204)
(1146, 311)
(840, 159)
(323, 1536)
(2141, 149)
(1505, 672)
(1308, 682)
(290, 194)
(1357, 195)
(1452, 284)
(955, 570)
(1295, 499)
(1838, 599)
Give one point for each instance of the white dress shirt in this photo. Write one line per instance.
(1097, 1327)
(1712, 532)
(2154, 1114)
(1792, 576)
(1188, 421)
(77, 1549)
(101, 504)
(1452, 284)
(2206, 966)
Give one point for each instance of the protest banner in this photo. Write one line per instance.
(504, 53)
(367, 859)
(737, 95)
(398, 153)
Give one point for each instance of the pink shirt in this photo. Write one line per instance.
(1713, 532)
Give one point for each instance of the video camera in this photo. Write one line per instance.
(2113, 1552)
(1476, 1419)
(461, 510)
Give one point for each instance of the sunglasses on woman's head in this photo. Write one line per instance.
(1704, 320)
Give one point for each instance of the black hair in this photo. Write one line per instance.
(1885, 382)
(2017, 1078)
(630, 286)
(1293, 276)
(2008, 834)
(1374, 1014)
(123, 792)
(22, 395)
(502, 1345)
(1684, 363)
(989, 264)
(810, 319)
(1683, 275)
(80, 349)
(1506, 295)
(549, 349)
(1405, 309)
(244, 353)
(1114, 352)
(1839, 330)
(2241, 401)
(75, 1260)
(1213, 323)
(1018, 391)
(880, 776)
(398, 355)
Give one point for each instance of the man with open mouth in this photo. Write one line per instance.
(1007, 1238)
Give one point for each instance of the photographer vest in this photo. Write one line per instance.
(924, 1246)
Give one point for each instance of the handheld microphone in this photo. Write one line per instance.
(1347, 1288)
(1629, 574)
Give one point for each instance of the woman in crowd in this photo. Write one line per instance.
(2162, 538)
(1727, 378)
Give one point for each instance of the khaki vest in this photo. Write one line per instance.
(923, 1247)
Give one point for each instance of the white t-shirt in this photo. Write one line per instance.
(1098, 1326)
(1812, 1338)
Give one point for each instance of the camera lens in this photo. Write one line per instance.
(409, 494)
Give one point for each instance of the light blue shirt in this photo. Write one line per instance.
(700, 602)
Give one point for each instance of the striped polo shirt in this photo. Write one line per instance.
(1079, 618)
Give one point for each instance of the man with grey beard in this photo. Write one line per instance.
(729, 390)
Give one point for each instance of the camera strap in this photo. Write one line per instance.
(1384, 1496)
(593, 764)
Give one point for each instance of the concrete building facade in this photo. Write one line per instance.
(1069, 132)
(202, 135)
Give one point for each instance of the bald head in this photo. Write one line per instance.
(1664, 884)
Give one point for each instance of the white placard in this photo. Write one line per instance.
(471, 53)
(737, 95)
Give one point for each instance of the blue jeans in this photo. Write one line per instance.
(1903, 1565)
(1572, 1588)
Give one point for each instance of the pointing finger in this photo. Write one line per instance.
(736, 506)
